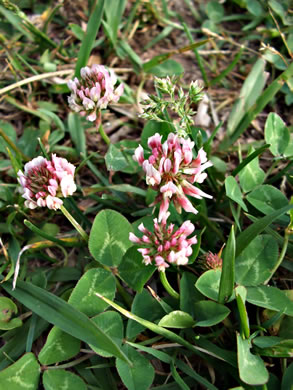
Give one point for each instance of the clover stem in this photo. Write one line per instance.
(100, 128)
(167, 285)
(74, 223)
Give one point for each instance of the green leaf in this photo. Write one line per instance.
(251, 367)
(276, 134)
(267, 199)
(270, 298)
(256, 228)
(145, 306)
(77, 133)
(63, 315)
(151, 128)
(133, 271)
(254, 7)
(256, 262)
(23, 374)
(59, 346)
(109, 237)
(140, 375)
(215, 11)
(168, 68)
(62, 379)
(251, 175)
(287, 378)
(83, 296)
(10, 132)
(228, 269)
(209, 282)
(241, 294)
(90, 36)
(111, 323)
(188, 293)
(115, 159)
(233, 191)
(250, 91)
(7, 309)
(209, 313)
(177, 319)
(114, 18)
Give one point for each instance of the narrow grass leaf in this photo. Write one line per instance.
(256, 228)
(90, 36)
(58, 312)
(228, 269)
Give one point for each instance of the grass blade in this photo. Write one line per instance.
(58, 312)
(228, 270)
(256, 228)
(90, 36)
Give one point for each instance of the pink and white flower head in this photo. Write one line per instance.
(172, 170)
(45, 181)
(164, 246)
(94, 91)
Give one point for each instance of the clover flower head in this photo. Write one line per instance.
(164, 246)
(172, 170)
(45, 181)
(94, 91)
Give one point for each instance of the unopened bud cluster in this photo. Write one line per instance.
(179, 102)
(44, 182)
(94, 91)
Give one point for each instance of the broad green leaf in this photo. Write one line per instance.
(62, 379)
(228, 269)
(281, 348)
(109, 237)
(177, 319)
(254, 7)
(233, 191)
(59, 346)
(241, 294)
(111, 323)
(168, 68)
(23, 374)
(63, 315)
(188, 293)
(7, 309)
(267, 199)
(250, 91)
(115, 159)
(215, 11)
(145, 306)
(256, 228)
(251, 175)
(83, 296)
(128, 147)
(77, 134)
(90, 36)
(266, 341)
(10, 132)
(209, 282)
(209, 313)
(276, 134)
(270, 298)
(256, 262)
(14, 323)
(133, 271)
(251, 367)
(287, 378)
(138, 376)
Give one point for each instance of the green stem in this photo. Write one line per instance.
(282, 254)
(104, 135)
(75, 223)
(71, 364)
(167, 286)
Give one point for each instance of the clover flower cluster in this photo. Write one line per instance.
(94, 91)
(164, 246)
(45, 181)
(172, 170)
